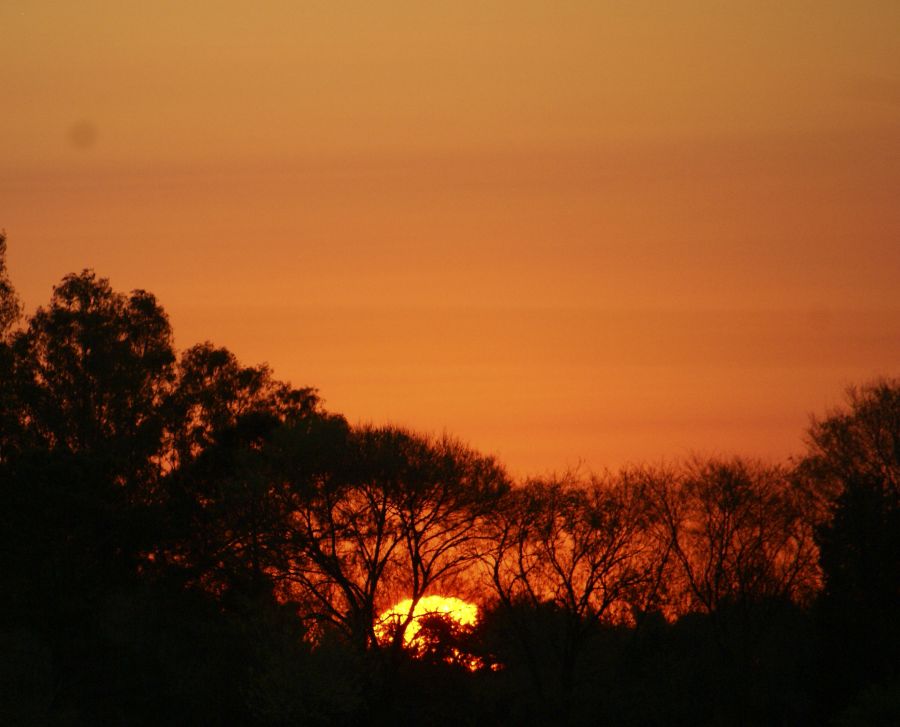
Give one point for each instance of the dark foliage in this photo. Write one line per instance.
(187, 540)
(855, 458)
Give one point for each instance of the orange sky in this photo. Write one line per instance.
(564, 231)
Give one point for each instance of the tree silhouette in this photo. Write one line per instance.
(215, 391)
(10, 306)
(443, 640)
(854, 461)
(96, 368)
(580, 549)
(739, 533)
(10, 311)
(398, 516)
(92, 373)
(221, 488)
(185, 538)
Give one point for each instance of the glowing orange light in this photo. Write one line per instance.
(454, 609)
(462, 612)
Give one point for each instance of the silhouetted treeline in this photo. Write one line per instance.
(187, 540)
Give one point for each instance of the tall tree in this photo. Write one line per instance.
(853, 460)
(583, 550)
(92, 371)
(10, 306)
(91, 375)
(854, 456)
(224, 515)
(97, 367)
(398, 517)
(215, 391)
(10, 312)
(740, 535)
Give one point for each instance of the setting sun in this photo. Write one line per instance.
(453, 362)
(450, 607)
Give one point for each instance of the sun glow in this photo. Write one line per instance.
(454, 609)
(436, 629)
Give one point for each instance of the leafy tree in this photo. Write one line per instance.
(857, 442)
(221, 488)
(215, 392)
(96, 368)
(190, 539)
(10, 306)
(853, 459)
(91, 375)
(10, 311)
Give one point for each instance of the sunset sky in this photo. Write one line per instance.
(574, 231)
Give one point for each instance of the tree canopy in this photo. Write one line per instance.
(188, 538)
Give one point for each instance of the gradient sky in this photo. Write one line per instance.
(571, 231)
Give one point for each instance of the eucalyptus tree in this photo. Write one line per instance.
(91, 373)
(95, 370)
(215, 391)
(221, 489)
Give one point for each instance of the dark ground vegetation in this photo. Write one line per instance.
(186, 540)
